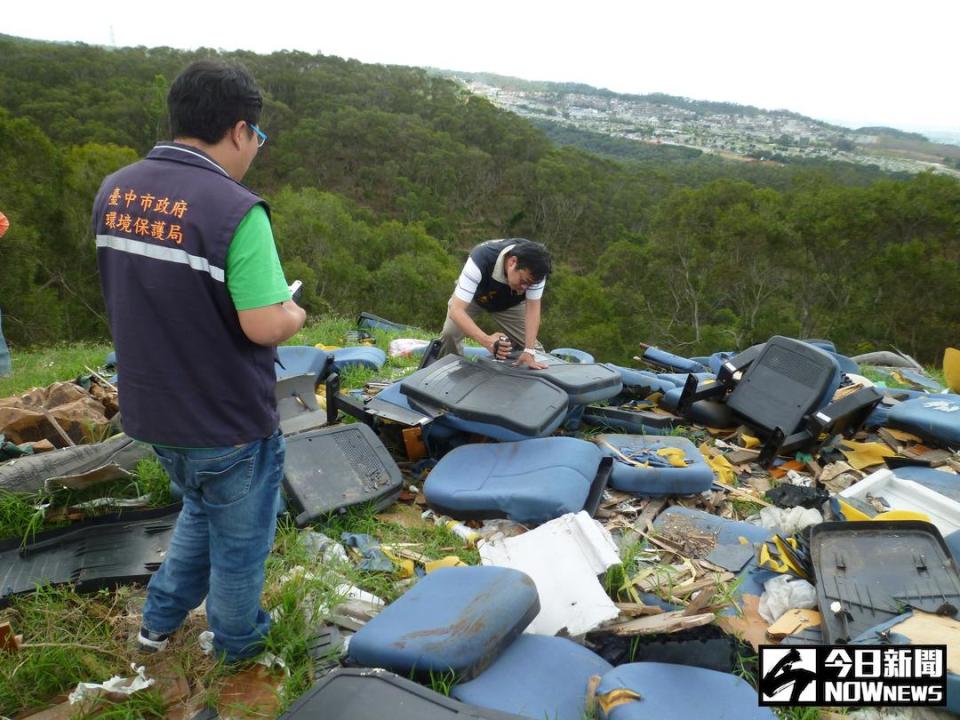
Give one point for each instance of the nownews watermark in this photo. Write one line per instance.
(853, 675)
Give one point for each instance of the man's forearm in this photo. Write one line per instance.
(531, 325)
(467, 325)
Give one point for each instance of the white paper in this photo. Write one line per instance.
(563, 557)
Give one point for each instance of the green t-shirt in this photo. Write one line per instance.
(254, 275)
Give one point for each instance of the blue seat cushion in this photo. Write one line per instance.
(660, 478)
(681, 692)
(675, 362)
(933, 417)
(529, 482)
(300, 360)
(642, 379)
(537, 677)
(364, 356)
(454, 619)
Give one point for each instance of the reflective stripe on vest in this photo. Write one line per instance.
(157, 252)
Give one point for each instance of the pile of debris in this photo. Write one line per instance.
(640, 532)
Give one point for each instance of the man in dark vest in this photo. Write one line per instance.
(197, 302)
(504, 278)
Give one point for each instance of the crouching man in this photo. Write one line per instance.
(505, 279)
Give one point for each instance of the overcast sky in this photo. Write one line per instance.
(847, 61)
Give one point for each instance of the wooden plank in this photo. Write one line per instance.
(59, 428)
(667, 622)
(638, 609)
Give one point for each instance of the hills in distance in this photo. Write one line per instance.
(620, 125)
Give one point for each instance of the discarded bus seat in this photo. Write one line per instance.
(373, 694)
(360, 356)
(934, 417)
(642, 382)
(629, 419)
(391, 404)
(295, 360)
(678, 692)
(471, 392)
(338, 467)
(784, 392)
(670, 362)
(880, 415)
(453, 620)
(537, 677)
(529, 482)
(583, 383)
(101, 553)
(653, 465)
(680, 379)
(573, 355)
(297, 404)
(375, 322)
(875, 569)
(709, 413)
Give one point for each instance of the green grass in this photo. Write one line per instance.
(152, 480)
(71, 640)
(443, 682)
(45, 366)
(21, 516)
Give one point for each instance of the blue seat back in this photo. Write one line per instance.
(537, 677)
(454, 619)
(529, 482)
(680, 692)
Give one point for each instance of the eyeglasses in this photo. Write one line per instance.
(526, 282)
(261, 135)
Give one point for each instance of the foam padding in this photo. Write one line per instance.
(454, 619)
(537, 677)
(657, 479)
(529, 482)
(679, 692)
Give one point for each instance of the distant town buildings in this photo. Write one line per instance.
(777, 135)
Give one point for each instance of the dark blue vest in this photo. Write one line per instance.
(491, 295)
(189, 377)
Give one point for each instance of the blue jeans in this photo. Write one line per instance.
(220, 543)
(5, 368)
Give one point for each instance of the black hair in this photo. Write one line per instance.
(532, 256)
(211, 96)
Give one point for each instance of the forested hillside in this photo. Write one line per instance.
(380, 178)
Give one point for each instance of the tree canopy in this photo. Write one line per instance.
(381, 178)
